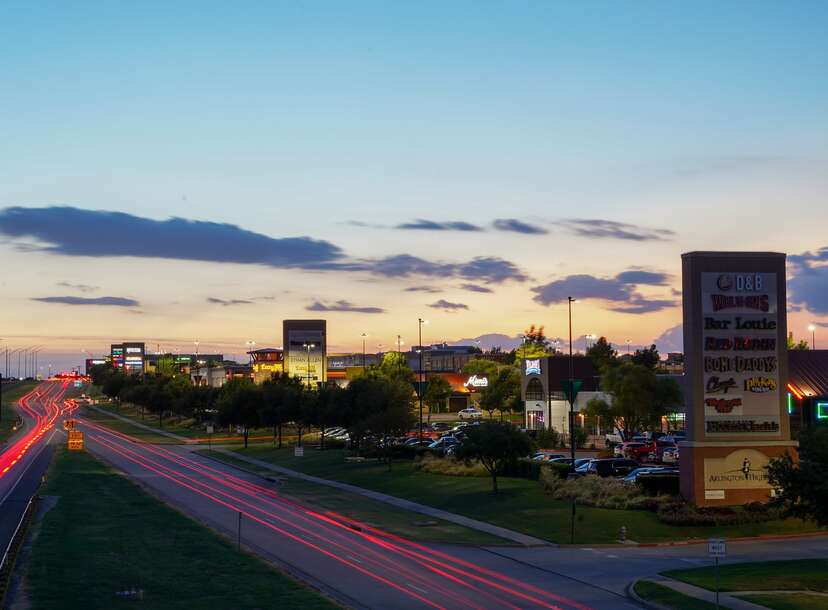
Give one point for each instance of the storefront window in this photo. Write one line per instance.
(534, 420)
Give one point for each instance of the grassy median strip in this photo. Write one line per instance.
(105, 535)
(788, 601)
(374, 513)
(521, 504)
(669, 598)
(11, 394)
(794, 575)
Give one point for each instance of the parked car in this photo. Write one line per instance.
(660, 447)
(441, 426)
(611, 440)
(632, 478)
(470, 413)
(633, 449)
(565, 460)
(542, 456)
(607, 467)
(443, 443)
(670, 455)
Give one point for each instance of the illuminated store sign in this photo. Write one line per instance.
(476, 382)
(739, 315)
(533, 367)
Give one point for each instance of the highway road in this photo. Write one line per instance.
(27, 455)
(357, 565)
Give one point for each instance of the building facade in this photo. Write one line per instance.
(305, 350)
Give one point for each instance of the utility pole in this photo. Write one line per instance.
(570, 300)
(363, 350)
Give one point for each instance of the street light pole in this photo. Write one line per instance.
(308, 347)
(812, 328)
(570, 300)
(420, 384)
(363, 350)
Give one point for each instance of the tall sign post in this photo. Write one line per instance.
(736, 358)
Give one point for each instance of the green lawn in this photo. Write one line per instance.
(789, 601)
(414, 526)
(105, 534)
(11, 394)
(665, 596)
(521, 505)
(805, 574)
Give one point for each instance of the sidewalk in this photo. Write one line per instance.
(726, 600)
(488, 528)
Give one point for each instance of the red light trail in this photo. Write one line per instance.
(387, 559)
(41, 406)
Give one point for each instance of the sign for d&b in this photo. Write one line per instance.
(75, 442)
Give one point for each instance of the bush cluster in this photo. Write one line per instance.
(682, 513)
(449, 466)
(600, 492)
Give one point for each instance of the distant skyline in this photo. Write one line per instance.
(201, 172)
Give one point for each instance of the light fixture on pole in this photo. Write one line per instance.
(196, 346)
(363, 335)
(628, 346)
(308, 347)
(812, 328)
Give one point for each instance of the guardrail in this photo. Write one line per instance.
(16, 541)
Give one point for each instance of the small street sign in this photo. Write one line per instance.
(209, 429)
(298, 452)
(68, 424)
(716, 547)
(75, 442)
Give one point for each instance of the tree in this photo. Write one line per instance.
(602, 354)
(165, 366)
(239, 405)
(801, 345)
(640, 398)
(495, 445)
(481, 368)
(803, 486)
(648, 357)
(501, 391)
(324, 411)
(395, 366)
(377, 405)
(437, 392)
(114, 383)
(279, 395)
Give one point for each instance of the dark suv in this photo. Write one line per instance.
(608, 467)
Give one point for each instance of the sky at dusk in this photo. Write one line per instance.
(173, 172)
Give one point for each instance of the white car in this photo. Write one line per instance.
(470, 413)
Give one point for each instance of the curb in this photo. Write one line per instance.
(741, 539)
(640, 600)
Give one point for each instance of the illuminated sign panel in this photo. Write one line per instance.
(533, 367)
(822, 410)
(476, 382)
(305, 350)
(740, 354)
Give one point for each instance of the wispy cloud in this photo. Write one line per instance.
(808, 284)
(422, 224)
(619, 290)
(448, 305)
(476, 288)
(426, 289)
(610, 229)
(227, 302)
(514, 225)
(79, 287)
(343, 306)
(721, 164)
(107, 301)
(487, 269)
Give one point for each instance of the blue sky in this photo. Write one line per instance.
(341, 121)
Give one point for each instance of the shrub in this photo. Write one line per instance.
(523, 468)
(558, 469)
(659, 484)
(449, 466)
(580, 436)
(548, 438)
(682, 513)
(599, 492)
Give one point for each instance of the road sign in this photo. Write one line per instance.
(573, 391)
(209, 429)
(716, 547)
(69, 424)
(298, 451)
(75, 440)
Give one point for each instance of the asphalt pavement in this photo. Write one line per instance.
(27, 464)
(358, 566)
